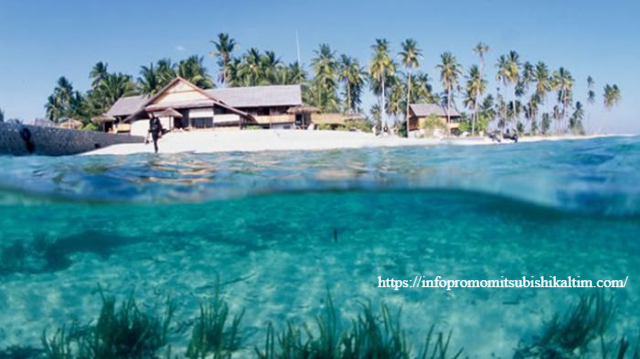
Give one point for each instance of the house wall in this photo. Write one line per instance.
(180, 92)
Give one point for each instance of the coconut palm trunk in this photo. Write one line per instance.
(382, 106)
(408, 100)
(449, 111)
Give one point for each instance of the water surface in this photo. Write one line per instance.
(281, 228)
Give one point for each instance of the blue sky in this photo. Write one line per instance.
(42, 40)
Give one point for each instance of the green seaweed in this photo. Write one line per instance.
(619, 349)
(370, 336)
(570, 335)
(212, 333)
(119, 332)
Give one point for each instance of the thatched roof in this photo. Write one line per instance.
(302, 109)
(428, 109)
(353, 117)
(70, 123)
(327, 119)
(102, 119)
(168, 112)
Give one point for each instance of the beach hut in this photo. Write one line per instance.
(420, 112)
(303, 115)
(105, 122)
(71, 124)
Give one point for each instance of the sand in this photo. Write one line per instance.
(291, 140)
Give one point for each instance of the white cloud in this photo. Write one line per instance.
(180, 48)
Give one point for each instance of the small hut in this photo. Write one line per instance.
(303, 115)
(71, 124)
(105, 122)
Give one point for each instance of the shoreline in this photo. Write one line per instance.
(299, 140)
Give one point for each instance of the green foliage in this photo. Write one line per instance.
(361, 125)
(215, 334)
(370, 335)
(91, 127)
(120, 332)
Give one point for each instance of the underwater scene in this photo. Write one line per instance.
(279, 254)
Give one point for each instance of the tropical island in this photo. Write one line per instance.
(531, 98)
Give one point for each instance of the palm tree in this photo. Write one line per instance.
(611, 96)
(591, 95)
(381, 68)
(476, 86)
(480, 49)
(502, 76)
(115, 86)
(450, 71)
(325, 68)
(575, 122)
(59, 103)
(224, 48)
(353, 77)
(270, 65)
(513, 77)
(98, 74)
(192, 69)
(410, 57)
(295, 74)
(563, 83)
(148, 82)
(250, 70)
(166, 71)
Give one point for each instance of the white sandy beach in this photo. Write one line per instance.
(291, 140)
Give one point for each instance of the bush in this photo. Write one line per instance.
(434, 126)
(91, 127)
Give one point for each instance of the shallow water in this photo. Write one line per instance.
(279, 229)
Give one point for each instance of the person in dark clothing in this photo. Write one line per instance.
(156, 131)
(509, 136)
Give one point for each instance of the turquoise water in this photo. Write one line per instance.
(281, 228)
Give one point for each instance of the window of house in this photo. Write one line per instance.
(204, 122)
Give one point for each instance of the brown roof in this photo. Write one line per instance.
(328, 119)
(210, 97)
(302, 109)
(238, 97)
(428, 109)
(168, 112)
(70, 123)
(102, 118)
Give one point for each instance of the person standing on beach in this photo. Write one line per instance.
(155, 129)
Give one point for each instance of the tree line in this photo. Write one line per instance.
(529, 98)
